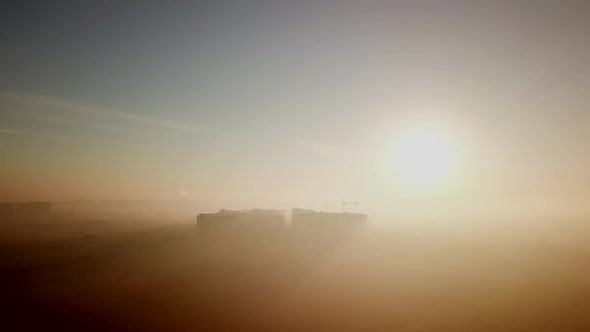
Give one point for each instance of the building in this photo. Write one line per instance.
(215, 222)
(297, 211)
(259, 219)
(326, 222)
(253, 220)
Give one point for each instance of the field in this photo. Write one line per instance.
(101, 276)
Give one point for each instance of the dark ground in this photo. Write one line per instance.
(115, 277)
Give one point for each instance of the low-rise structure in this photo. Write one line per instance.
(214, 222)
(312, 221)
(245, 220)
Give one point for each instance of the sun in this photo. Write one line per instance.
(424, 156)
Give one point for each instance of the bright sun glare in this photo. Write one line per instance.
(424, 156)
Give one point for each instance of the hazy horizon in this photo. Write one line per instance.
(297, 104)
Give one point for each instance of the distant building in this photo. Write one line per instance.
(325, 222)
(257, 220)
(297, 211)
(215, 222)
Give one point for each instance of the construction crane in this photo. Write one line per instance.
(345, 203)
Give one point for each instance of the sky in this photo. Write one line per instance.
(284, 103)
